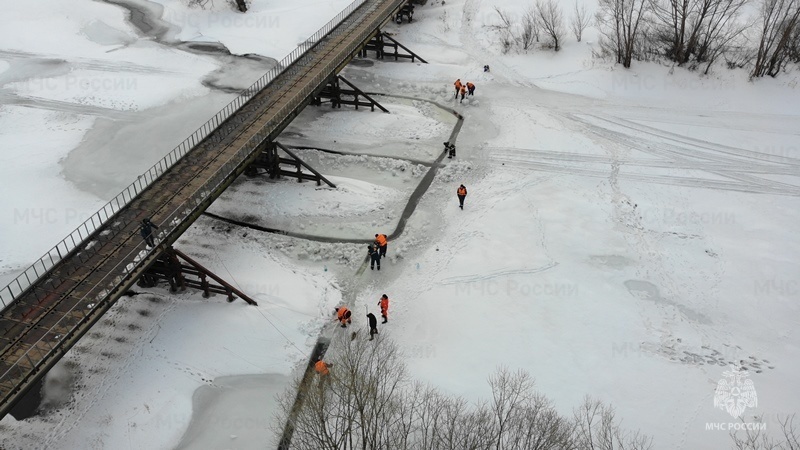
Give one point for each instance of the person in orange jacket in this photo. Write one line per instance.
(322, 367)
(343, 316)
(470, 87)
(381, 241)
(463, 93)
(384, 302)
(462, 194)
(458, 86)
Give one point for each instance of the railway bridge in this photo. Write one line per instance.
(53, 303)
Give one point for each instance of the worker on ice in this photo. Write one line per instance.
(458, 86)
(343, 316)
(322, 367)
(375, 257)
(373, 326)
(462, 194)
(384, 303)
(381, 241)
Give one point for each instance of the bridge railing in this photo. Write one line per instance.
(84, 231)
(47, 346)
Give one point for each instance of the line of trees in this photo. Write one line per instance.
(690, 33)
(368, 401)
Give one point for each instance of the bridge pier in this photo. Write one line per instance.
(29, 403)
(181, 271)
(354, 96)
(381, 41)
(406, 11)
(271, 161)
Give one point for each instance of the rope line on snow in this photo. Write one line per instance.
(259, 310)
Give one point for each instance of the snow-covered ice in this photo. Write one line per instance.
(629, 234)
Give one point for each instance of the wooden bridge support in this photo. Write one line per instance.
(381, 41)
(406, 11)
(181, 271)
(271, 161)
(349, 95)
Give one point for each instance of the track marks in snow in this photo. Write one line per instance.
(101, 365)
(730, 168)
(496, 274)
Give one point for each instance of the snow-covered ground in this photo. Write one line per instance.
(628, 235)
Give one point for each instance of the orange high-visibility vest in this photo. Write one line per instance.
(321, 367)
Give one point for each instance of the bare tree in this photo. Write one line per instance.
(620, 23)
(509, 392)
(779, 20)
(523, 419)
(551, 21)
(529, 29)
(721, 29)
(368, 402)
(505, 29)
(794, 45)
(580, 20)
(697, 30)
(674, 16)
(757, 438)
(596, 427)
(351, 406)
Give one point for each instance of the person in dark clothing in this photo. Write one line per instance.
(375, 257)
(147, 232)
(373, 326)
(462, 194)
